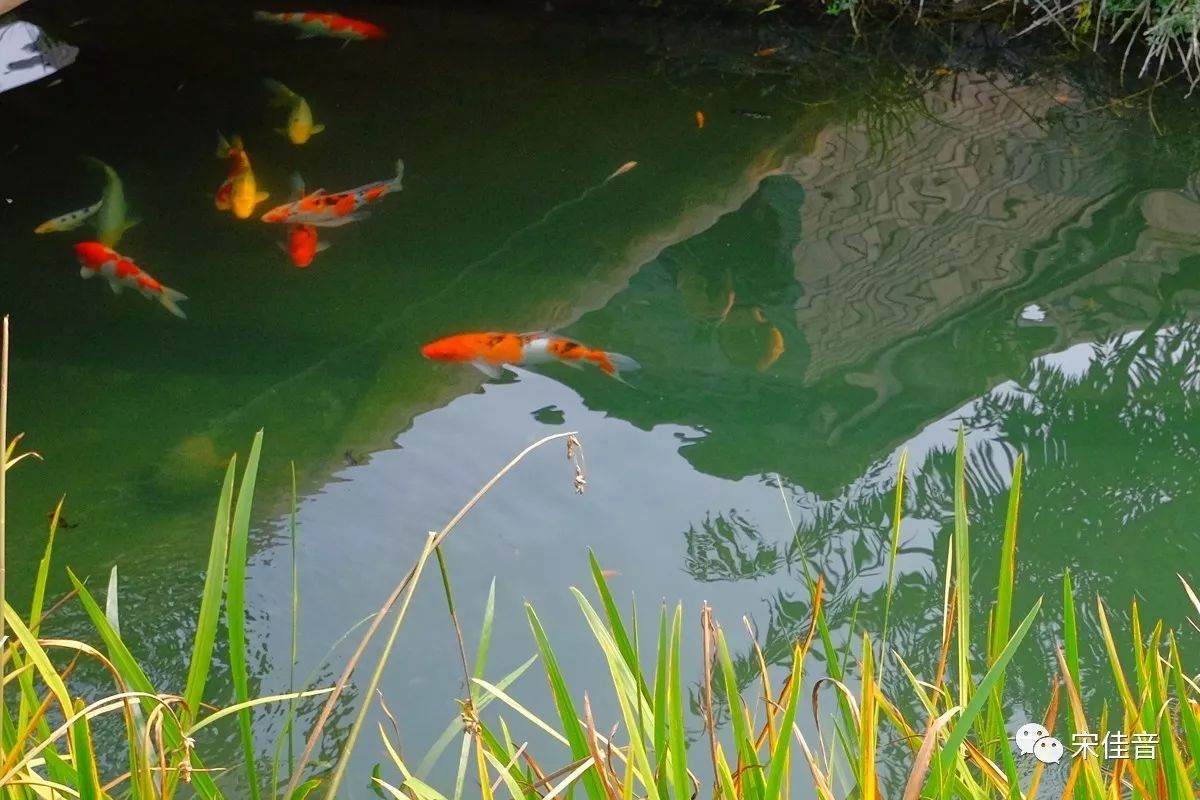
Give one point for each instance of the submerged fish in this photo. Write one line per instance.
(699, 119)
(312, 24)
(68, 221)
(331, 210)
(488, 352)
(239, 192)
(108, 214)
(302, 244)
(121, 272)
(300, 127)
(621, 170)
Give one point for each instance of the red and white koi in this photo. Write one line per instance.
(121, 272)
(312, 24)
(488, 352)
(331, 210)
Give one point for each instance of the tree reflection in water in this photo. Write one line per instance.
(1110, 432)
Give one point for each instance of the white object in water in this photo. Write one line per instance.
(1033, 313)
(27, 54)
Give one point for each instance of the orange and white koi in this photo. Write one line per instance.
(488, 352)
(302, 244)
(312, 25)
(331, 210)
(239, 192)
(121, 272)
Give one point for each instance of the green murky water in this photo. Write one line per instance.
(808, 297)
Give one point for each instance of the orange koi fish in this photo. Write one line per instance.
(699, 119)
(239, 192)
(121, 272)
(331, 210)
(302, 244)
(488, 352)
(334, 26)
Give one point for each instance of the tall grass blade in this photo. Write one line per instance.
(676, 723)
(210, 600)
(780, 758)
(962, 571)
(235, 609)
(950, 751)
(897, 514)
(571, 728)
(43, 572)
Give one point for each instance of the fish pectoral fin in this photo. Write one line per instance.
(130, 223)
(307, 35)
(572, 363)
(258, 198)
(323, 246)
(315, 130)
(282, 246)
(116, 287)
(487, 368)
(281, 131)
(86, 273)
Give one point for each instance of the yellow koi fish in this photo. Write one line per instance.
(239, 192)
(300, 127)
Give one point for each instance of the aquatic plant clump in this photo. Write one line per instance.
(1159, 39)
(951, 734)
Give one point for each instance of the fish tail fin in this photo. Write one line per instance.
(170, 299)
(398, 181)
(297, 185)
(283, 95)
(223, 147)
(316, 129)
(615, 363)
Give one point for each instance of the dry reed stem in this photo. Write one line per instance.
(331, 703)
(3, 470)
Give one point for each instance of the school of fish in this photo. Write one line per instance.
(304, 213)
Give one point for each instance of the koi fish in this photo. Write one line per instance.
(300, 127)
(621, 170)
(302, 242)
(239, 192)
(121, 272)
(312, 25)
(331, 210)
(767, 52)
(699, 119)
(69, 221)
(108, 214)
(488, 352)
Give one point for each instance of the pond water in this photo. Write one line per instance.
(811, 289)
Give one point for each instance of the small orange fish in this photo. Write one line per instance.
(488, 352)
(699, 119)
(610, 573)
(765, 52)
(621, 170)
(942, 72)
